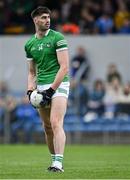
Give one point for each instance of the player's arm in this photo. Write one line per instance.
(63, 60)
(31, 85)
(31, 75)
(31, 78)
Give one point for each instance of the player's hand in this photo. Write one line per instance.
(29, 92)
(47, 95)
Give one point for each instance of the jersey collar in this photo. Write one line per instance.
(45, 33)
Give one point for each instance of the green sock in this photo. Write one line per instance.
(58, 161)
(59, 157)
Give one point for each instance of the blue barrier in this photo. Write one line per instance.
(73, 123)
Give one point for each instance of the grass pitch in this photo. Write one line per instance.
(80, 162)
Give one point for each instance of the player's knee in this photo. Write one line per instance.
(55, 123)
(48, 129)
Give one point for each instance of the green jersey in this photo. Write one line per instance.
(43, 53)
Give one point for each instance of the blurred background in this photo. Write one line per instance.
(98, 35)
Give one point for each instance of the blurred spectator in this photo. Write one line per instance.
(3, 89)
(74, 12)
(96, 95)
(80, 63)
(78, 98)
(75, 16)
(79, 73)
(20, 16)
(7, 105)
(125, 95)
(113, 91)
(70, 28)
(95, 8)
(107, 7)
(26, 116)
(123, 102)
(65, 9)
(125, 29)
(87, 21)
(121, 14)
(104, 24)
(56, 20)
(11, 105)
(112, 73)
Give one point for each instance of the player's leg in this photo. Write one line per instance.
(58, 110)
(45, 116)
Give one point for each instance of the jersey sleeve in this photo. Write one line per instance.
(60, 42)
(27, 51)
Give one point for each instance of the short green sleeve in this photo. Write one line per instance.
(60, 42)
(28, 55)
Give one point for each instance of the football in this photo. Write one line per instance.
(36, 98)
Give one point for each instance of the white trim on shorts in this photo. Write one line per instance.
(62, 90)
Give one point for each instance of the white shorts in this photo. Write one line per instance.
(62, 90)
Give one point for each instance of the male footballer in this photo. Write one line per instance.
(48, 65)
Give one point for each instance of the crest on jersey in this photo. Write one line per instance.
(44, 45)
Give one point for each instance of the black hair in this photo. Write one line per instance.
(39, 11)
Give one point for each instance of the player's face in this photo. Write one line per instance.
(43, 22)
